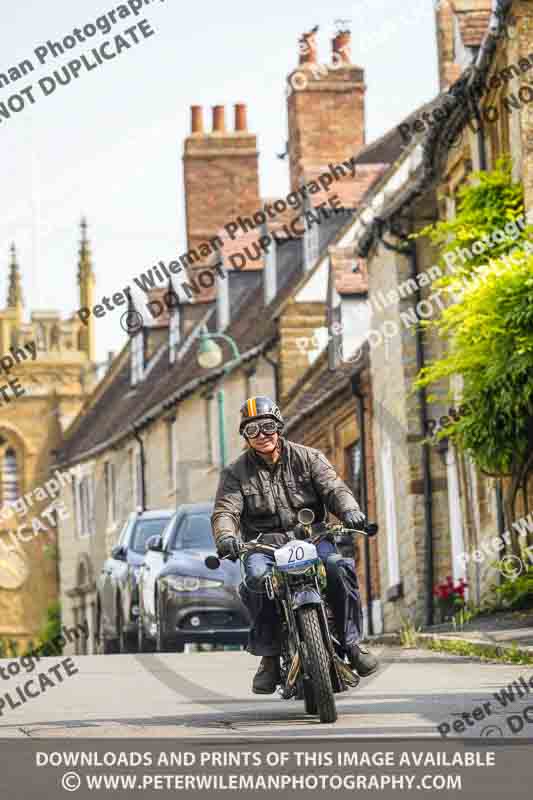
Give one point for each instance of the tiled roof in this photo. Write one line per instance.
(349, 189)
(120, 405)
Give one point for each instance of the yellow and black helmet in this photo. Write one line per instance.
(260, 407)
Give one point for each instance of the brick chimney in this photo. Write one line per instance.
(221, 180)
(461, 26)
(326, 107)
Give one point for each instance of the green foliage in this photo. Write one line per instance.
(487, 204)
(464, 616)
(490, 332)
(51, 632)
(515, 594)
(485, 652)
(408, 633)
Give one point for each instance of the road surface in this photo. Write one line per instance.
(208, 695)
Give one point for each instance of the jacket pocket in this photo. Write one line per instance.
(257, 502)
(301, 491)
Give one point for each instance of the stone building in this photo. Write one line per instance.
(47, 370)
(326, 317)
(501, 80)
(158, 428)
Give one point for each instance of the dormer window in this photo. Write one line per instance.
(137, 358)
(173, 334)
(311, 241)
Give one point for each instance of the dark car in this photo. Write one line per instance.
(180, 599)
(117, 605)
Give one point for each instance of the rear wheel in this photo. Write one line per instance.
(317, 666)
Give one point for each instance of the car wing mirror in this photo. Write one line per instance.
(118, 552)
(154, 543)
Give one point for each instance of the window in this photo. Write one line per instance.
(172, 432)
(144, 529)
(173, 334)
(137, 358)
(110, 493)
(10, 475)
(84, 505)
(194, 533)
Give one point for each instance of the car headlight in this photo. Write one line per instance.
(184, 583)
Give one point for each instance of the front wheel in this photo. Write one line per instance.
(317, 665)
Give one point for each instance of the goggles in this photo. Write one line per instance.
(252, 429)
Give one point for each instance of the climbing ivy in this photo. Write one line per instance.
(486, 205)
(489, 330)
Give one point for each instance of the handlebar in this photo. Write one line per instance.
(369, 529)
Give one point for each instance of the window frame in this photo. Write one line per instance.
(7, 446)
(110, 482)
(84, 505)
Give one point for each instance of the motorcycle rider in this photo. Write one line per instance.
(262, 492)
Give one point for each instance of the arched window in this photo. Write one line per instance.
(10, 476)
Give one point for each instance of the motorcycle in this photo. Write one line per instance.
(313, 664)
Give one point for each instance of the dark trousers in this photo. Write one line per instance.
(342, 596)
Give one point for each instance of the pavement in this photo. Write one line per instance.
(503, 631)
(505, 628)
(208, 695)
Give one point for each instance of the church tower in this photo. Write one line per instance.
(14, 295)
(46, 371)
(86, 281)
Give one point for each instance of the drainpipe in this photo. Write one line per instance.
(426, 454)
(501, 521)
(143, 482)
(275, 366)
(480, 135)
(364, 498)
(409, 250)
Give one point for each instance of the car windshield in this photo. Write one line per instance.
(144, 529)
(194, 533)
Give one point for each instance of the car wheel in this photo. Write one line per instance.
(161, 643)
(105, 646)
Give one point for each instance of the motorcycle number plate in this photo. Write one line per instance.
(296, 555)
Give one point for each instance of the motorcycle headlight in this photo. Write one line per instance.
(185, 583)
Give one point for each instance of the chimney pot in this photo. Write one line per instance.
(240, 117)
(197, 119)
(341, 47)
(219, 122)
(308, 48)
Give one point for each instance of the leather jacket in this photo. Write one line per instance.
(255, 497)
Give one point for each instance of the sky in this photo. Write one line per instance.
(109, 145)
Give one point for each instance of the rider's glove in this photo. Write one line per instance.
(353, 519)
(228, 546)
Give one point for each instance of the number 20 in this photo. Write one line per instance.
(297, 554)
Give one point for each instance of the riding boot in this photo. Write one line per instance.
(267, 676)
